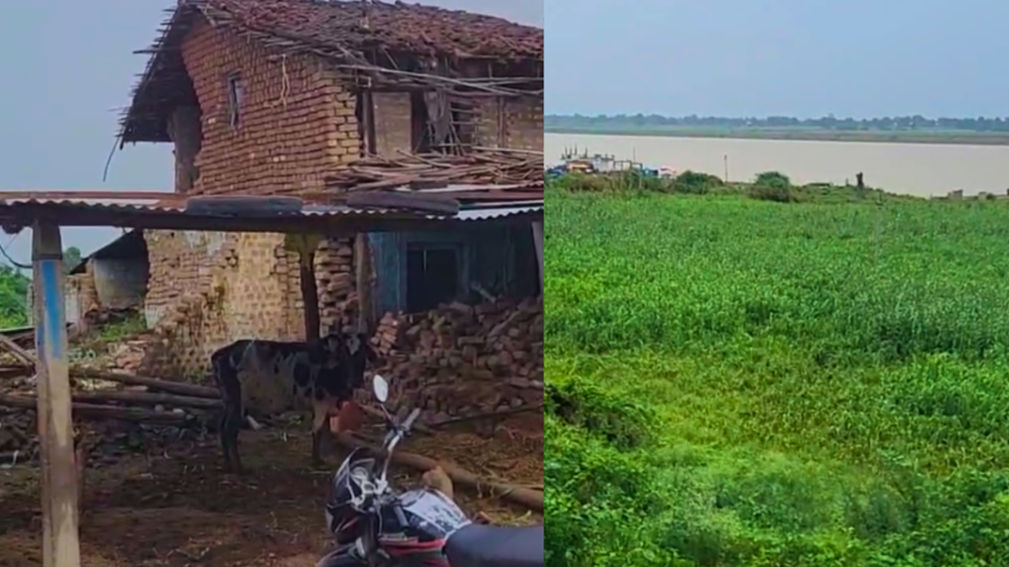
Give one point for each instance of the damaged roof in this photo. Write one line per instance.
(343, 30)
(407, 28)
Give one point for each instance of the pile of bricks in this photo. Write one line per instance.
(462, 360)
(334, 271)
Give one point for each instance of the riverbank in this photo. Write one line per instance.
(868, 136)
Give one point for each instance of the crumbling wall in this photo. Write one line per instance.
(510, 123)
(296, 119)
(208, 289)
(524, 124)
(393, 123)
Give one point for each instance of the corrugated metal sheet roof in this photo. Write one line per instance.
(132, 210)
(484, 211)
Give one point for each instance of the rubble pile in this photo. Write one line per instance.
(461, 360)
(129, 355)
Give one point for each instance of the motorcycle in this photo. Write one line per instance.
(375, 525)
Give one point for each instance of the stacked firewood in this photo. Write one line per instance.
(486, 166)
(460, 360)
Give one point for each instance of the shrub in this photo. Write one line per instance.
(618, 419)
(773, 179)
(582, 182)
(772, 186)
(695, 183)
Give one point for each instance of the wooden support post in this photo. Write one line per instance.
(60, 545)
(305, 245)
(369, 124)
(362, 267)
(310, 297)
(538, 243)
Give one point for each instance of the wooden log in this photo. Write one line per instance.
(487, 415)
(19, 353)
(147, 399)
(60, 536)
(14, 371)
(170, 386)
(533, 499)
(98, 411)
(417, 425)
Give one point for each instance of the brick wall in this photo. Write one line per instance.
(393, 123)
(524, 124)
(510, 123)
(296, 121)
(208, 289)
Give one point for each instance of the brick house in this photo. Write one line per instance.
(282, 97)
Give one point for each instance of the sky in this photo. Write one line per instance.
(68, 67)
(803, 58)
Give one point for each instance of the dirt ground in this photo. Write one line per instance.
(179, 509)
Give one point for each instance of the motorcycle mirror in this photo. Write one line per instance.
(380, 388)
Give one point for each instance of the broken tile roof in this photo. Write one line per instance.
(356, 25)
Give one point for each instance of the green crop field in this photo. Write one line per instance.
(744, 382)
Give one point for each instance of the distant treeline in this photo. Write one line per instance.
(829, 122)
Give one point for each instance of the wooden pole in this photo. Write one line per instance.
(170, 386)
(133, 398)
(532, 499)
(538, 243)
(362, 267)
(305, 245)
(84, 410)
(310, 296)
(60, 544)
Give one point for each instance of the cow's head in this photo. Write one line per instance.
(351, 352)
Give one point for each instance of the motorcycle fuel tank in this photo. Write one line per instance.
(432, 513)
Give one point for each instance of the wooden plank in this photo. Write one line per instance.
(438, 204)
(60, 543)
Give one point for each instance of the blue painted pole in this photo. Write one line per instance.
(60, 543)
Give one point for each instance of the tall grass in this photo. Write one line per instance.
(810, 384)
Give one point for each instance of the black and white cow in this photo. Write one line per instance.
(269, 377)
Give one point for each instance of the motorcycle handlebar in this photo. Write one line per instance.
(411, 418)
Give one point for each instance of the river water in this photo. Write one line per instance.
(915, 169)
